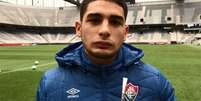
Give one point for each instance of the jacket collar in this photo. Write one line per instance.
(87, 64)
(74, 56)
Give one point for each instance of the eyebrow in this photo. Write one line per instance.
(120, 18)
(94, 15)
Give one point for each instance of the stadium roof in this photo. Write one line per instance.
(75, 2)
(64, 3)
(39, 3)
(130, 2)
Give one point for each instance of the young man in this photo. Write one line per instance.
(93, 70)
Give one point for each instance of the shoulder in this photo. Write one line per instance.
(55, 74)
(147, 76)
(144, 69)
(52, 79)
(153, 74)
(150, 79)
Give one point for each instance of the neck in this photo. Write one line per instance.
(100, 60)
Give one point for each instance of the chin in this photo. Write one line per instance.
(103, 54)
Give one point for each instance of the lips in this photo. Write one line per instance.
(103, 45)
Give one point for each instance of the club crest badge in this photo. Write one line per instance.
(131, 92)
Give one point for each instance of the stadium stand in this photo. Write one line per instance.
(34, 16)
(197, 40)
(149, 22)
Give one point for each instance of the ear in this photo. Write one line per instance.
(78, 28)
(126, 30)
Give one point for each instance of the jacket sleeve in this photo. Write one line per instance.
(167, 91)
(41, 93)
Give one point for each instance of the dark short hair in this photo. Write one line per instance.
(85, 4)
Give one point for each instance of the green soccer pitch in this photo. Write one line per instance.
(181, 64)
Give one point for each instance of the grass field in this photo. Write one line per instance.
(18, 82)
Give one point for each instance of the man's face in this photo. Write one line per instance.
(102, 29)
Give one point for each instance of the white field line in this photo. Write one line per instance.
(26, 68)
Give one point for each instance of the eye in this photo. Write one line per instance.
(116, 22)
(94, 21)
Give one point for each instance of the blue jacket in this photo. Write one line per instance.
(77, 79)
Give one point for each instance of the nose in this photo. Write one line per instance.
(104, 30)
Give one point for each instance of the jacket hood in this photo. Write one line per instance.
(74, 56)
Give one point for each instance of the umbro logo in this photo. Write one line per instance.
(73, 93)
